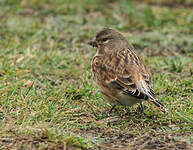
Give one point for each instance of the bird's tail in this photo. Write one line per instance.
(157, 103)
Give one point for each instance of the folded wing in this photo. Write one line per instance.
(126, 72)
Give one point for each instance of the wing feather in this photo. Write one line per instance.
(131, 76)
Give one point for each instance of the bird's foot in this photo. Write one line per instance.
(110, 111)
(140, 110)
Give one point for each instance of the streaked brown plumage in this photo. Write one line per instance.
(121, 75)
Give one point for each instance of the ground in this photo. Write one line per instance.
(48, 99)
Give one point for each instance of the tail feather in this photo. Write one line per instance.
(157, 103)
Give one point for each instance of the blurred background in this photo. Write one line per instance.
(47, 94)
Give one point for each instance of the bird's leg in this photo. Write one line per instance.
(141, 109)
(110, 111)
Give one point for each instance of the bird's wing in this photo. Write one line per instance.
(126, 72)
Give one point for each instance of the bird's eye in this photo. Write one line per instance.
(105, 39)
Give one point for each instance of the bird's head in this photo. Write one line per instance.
(108, 41)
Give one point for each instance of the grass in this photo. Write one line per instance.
(48, 96)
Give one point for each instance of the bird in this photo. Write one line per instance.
(121, 75)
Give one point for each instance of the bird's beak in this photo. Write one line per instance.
(93, 43)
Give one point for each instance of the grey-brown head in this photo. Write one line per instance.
(108, 40)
